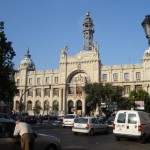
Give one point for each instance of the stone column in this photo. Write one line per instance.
(60, 100)
(51, 96)
(64, 101)
(83, 107)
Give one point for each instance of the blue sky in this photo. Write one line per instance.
(46, 26)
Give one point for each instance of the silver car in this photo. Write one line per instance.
(8, 142)
(69, 119)
(89, 125)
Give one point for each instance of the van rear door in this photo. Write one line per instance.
(120, 123)
(132, 123)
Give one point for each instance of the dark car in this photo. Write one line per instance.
(110, 121)
(5, 116)
(9, 142)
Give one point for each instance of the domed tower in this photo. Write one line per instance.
(88, 30)
(27, 63)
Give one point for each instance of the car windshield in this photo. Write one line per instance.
(69, 116)
(6, 130)
(81, 120)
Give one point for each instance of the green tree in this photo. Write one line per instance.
(117, 96)
(93, 94)
(96, 93)
(7, 83)
(108, 92)
(140, 95)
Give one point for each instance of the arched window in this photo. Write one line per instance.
(79, 105)
(29, 105)
(38, 103)
(46, 105)
(70, 107)
(55, 106)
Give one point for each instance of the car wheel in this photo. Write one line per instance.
(51, 147)
(91, 132)
(117, 138)
(75, 133)
(143, 139)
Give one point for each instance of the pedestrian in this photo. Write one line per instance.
(24, 130)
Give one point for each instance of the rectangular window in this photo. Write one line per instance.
(30, 92)
(138, 87)
(30, 81)
(132, 119)
(38, 92)
(56, 92)
(121, 118)
(47, 92)
(138, 75)
(71, 90)
(78, 90)
(115, 76)
(56, 80)
(126, 89)
(38, 80)
(104, 77)
(126, 76)
(47, 80)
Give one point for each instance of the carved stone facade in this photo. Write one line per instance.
(59, 92)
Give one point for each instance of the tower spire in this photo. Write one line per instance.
(88, 30)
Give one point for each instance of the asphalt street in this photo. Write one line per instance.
(69, 141)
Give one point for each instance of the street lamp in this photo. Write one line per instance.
(22, 105)
(146, 26)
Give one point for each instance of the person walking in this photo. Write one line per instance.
(25, 131)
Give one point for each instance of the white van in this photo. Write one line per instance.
(132, 124)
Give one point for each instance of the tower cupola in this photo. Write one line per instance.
(88, 30)
(27, 63)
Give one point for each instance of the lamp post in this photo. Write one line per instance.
(146, 26)
(22, 105)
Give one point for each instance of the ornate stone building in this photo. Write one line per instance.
(60, 92)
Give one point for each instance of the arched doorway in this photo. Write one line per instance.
(79, 107)
(70, 106)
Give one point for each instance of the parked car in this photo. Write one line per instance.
(49, 117)
(132, 124)
(89, 125)
(5, 116)
(60, 118)
(9, 142)
(68, 120)
(110, 121)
